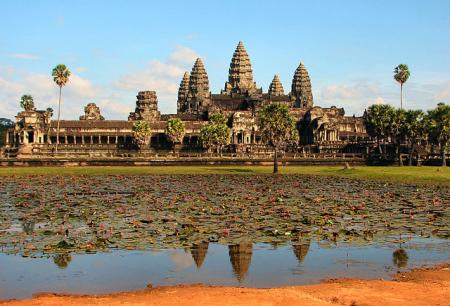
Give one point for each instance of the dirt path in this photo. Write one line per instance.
(419, 287)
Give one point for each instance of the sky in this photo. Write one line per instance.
(117, 48)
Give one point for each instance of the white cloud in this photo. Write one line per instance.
(24, 56)
(443, 95)
(161, 76)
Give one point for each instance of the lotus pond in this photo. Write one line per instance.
(112, 232)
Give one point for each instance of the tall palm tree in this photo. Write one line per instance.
(401, 75)
(27, 102)
(60, 76)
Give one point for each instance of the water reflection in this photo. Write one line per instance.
(241, 257)
(301, 250)
(400, 258)
(198, 252)
(62, 260)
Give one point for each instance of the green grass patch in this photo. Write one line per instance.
(400, 174)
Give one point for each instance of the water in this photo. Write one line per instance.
(249, 265)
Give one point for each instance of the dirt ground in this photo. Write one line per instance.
(427, 286)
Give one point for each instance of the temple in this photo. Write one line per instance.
(321, 129)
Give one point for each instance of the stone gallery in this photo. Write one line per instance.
(321, 129)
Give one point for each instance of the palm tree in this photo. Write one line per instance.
(175, 131)
(141, 131)
(413, 128)
(60, 76)
(27, 103)
(378, 121)
(439, 127)
(216, 133)
(278, 129)
(401, 75)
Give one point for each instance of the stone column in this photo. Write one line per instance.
(117, 139)
(74, 139)
(82, 139)
(65, 139)
(99, 139)
(7, 137)
(92, 139)
(107, 139)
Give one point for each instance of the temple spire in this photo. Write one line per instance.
(198, 93)
(183, 92)
(240, 74)
(301, 91)
(276, 88)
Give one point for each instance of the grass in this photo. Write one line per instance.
(433, 175)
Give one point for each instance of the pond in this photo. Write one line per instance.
(112, 233)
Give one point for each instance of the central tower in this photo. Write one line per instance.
(240, 76)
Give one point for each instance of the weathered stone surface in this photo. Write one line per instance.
(92, 112)
(183, 92)
(276, 88)
(240, 77)
(146, 107)
(301, 91)
(199, 97)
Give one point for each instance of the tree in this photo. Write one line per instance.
(4, 125)
(27, 102)
(395, 122)
(175, 131)
(401, 75)
(216, 133)
(60, 76)
(439, 127)
(141, 131)
(413, 128)
(278, 129)
(377, 120)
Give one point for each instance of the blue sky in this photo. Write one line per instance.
(117, 48)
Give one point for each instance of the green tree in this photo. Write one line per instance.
(377, 120)
(27, 102)
(4, 125)
(60, 76)
(278, 129)
(401, 75)
(141, 131)
(395, 122)
(216, 133)
(413, 128)
(175, 131)
(439, 127)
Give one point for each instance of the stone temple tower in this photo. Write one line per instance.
(276, 88)
(301, 92)
(183, 93)
(146, 107)
(199, 97)
(240, 77)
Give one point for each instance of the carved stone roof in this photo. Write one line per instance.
(198, 80)
(184, 87)
(301, 87)
(276, 88)
(240, 76)
(93, 124)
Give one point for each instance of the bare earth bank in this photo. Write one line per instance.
(426, 286)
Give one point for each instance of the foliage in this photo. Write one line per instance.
(141, 131)
(401, 73)
(277, 126)
(175, 130)
(216, 133)
(377, 120)
(61, 75)
(278, 129)
(439, 127)
(4, 124)
(27, 102)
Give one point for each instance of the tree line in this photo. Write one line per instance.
(415, 128)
